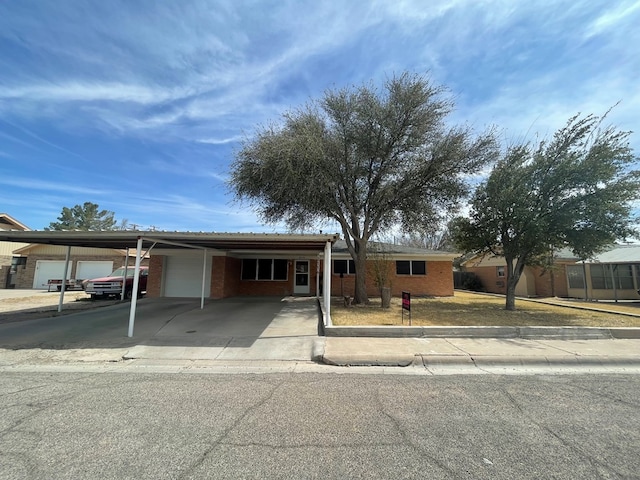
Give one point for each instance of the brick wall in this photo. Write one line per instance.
(490, 280)
(544, 284)
(437, 282)
(154, 282)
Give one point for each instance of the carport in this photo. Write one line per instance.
(144, 242)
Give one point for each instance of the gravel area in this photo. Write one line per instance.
(18, 305)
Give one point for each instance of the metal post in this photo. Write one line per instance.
(124, 279)
(204, 277)
(134, 292)
(327, 283)
(64, 279)
(317, 277)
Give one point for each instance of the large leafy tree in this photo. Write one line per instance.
(575, 190)
(364, 157)
(84, 217)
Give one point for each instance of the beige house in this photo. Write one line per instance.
(534, 282)
(45, 262)
(7, 262)
(28, 265)
(613, 275)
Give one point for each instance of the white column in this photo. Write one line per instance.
(327, 284)
(64, 279)
(204, 277)
(126, 267)
(318, 277)
(134, 292)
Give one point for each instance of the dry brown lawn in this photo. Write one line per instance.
(469, 309)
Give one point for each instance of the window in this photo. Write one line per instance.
(575, 275)
(500, 271)
(608, 277)
(600, 277)
(347, 267)
(264, 269)
(411, 267)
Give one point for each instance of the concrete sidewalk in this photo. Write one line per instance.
(476, 352)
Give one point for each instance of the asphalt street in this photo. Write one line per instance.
(136, 425)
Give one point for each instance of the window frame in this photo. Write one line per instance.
(259, 274)
(573, 278)
(411, 268)
(349, 264)
(501, 271)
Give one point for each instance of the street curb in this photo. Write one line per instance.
(351, 360)
(531, 332)
(531, 360)
(317, 350)
(435, 361)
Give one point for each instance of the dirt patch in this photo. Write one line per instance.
(42, 305)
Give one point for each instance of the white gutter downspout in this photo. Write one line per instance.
(134, 292)
(326, 277)
(64, 279)
(204, 277)
(318, 277)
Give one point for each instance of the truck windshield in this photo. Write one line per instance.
(120, 272)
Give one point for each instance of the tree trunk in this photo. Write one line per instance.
(360, 294)
(513, 275)
(511, 296)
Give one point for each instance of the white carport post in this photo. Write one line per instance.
(124, 278)
(326, 284)
(204, 277)
(134, 292)
(64, 279)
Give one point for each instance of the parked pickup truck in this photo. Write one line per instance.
(111, 286)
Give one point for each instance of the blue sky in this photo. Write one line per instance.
(139, 105)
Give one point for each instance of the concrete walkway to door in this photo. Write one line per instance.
(263, 328)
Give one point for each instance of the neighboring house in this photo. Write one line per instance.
(534, 282)
(418, 271)
(41, 263)
(9, 263)
(613, 275)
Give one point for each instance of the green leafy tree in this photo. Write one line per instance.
(84, 217)
(364, 157)
(575, 190)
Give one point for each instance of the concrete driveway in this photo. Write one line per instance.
(242, 328)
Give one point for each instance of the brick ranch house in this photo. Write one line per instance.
(534, 281)
(228, 265)
(612, 275)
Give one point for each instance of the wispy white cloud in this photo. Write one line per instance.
(220, 141)
(37, 185)
(92, 92)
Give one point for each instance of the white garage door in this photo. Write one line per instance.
(49, 269)
(93, 269)
(183, 276)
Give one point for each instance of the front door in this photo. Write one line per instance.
(301, 285)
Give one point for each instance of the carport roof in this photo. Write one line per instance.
(218, 241)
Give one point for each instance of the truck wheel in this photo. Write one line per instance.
(128, 294)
